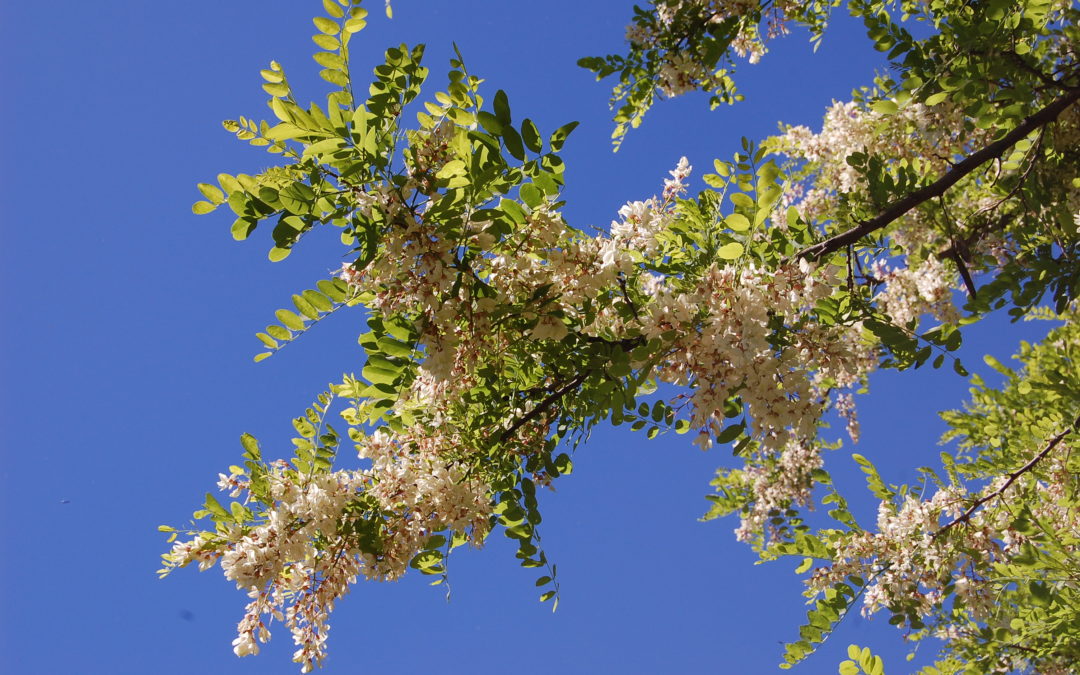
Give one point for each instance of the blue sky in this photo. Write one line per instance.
(129, 330)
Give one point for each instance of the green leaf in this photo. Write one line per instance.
(884, 107)
(334, 76)
(297, 198)
(502, 107)
(873, 479)
(394, 348)
(212, 193)
(377, 375)
(279, 332)
(278, 90)
(333, 9)
(335, 289)
(215, 507)
(729, 434)
(743, 200)
(531, 135)
(355, 25)
(305, 307)
(326, 26)
(848, 668)
(490, 123)
(277, 254)
(289, 319)
(513, 143)
(531, 195)
(202, 208)
(318, 300)
(251, 446)
(329, 60)
(737, 222)
(730, 251)
(328, 42)
(559, 136)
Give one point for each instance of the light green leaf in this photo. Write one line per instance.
(884, 107)
(305, 307)
(848, 668)
(328, 42)
(290, 319)
(730, 251)
(333, 9)
(276, 89)
(531, 195)
(212, 193)
(318, 300)
(737, 222)
(326, 26)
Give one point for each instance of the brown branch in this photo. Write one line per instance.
(1043, 77)
(966, 516)
(965, 274)
(938, 187)
(543, 406)
(626, 296)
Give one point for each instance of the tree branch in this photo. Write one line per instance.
(1043, 77)
(938, 187)
(966, 516)
(543, 406)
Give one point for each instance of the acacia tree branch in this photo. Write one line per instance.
(543, 406)
(966, 516)
(938, 187)
(1043, 77)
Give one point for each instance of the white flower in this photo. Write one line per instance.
(549, 328)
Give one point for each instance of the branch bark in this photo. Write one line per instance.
(938, 187)
(544, 405)
(1053, 443)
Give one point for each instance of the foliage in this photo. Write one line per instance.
(500, 334)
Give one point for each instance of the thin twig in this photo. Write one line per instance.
(626, 296)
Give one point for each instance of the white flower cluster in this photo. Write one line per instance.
(725, 326)
(909, 293)
(414, 479)
(924, 550)
(682, 70)
(777, 484)
(298, 560)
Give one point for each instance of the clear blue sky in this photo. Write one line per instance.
(129, 326)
